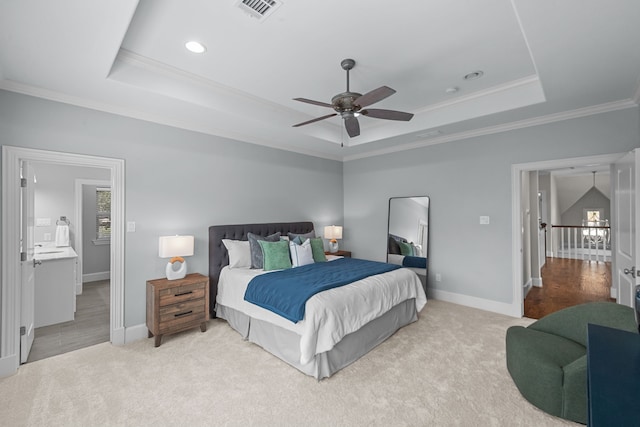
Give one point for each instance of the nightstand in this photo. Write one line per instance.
(346, 254)
(176, 305)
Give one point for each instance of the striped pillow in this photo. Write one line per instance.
(301, 254)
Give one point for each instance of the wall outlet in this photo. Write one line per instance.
(131, 227)
(47, 237)
(484, 220)
(438, 277)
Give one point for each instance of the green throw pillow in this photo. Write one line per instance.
(276, 255)
(406, 249)
(317, 247)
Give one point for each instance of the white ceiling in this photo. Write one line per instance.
(543, 61)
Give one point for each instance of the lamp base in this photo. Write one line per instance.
(180, 273)
(333, 246)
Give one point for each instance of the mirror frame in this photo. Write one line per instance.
(428, 226)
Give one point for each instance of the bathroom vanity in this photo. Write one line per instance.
(55, 293)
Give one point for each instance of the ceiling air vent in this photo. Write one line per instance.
(260, 9)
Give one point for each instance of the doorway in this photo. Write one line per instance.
(82, 196)
(518, 194)
(576, 263)
(12, 157)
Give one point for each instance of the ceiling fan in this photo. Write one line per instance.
(349, 105)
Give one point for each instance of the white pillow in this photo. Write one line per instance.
(239, 253)
(301, 254)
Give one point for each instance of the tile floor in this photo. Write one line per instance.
(90, 327)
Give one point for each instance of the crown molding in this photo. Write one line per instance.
(63, 98)
(513, 84)
(520, 124)
(156, 67)
(37, 92)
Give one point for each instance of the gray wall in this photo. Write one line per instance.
(55, 195)
(466, 179)
(95, 258)
(592, 199)
(179, 182)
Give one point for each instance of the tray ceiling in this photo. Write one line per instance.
(541, 61)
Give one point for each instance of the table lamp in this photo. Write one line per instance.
(175, 247)
(333, 232)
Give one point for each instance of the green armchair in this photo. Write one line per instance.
(548, 359)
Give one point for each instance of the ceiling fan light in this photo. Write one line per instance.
(195, 47)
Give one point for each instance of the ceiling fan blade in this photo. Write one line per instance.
(352, 126)
(374, 96)
(315, 120)
(387, 114)
(311, 101)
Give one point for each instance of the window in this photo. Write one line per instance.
(103, 214)
(593, 215)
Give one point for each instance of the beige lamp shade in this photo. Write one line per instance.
(333, 232)
(175, 247)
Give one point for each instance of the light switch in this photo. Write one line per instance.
(131, 227)
(484, 220)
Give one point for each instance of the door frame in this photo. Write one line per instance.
(79, 234)
(10, 289)
(517, 304)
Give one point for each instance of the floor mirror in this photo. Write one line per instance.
(408, 234)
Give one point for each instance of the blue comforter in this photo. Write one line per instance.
(286, 292)
(414, 261)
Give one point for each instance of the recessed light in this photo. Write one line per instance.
(452, 89)
(474, 75)
(195, 47)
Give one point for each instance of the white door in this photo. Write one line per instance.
(27, 289)
(627, 216)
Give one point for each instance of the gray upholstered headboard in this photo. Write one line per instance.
(218, 256)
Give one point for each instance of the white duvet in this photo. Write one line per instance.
(329, 315)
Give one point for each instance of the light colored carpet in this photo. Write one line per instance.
(447, 369)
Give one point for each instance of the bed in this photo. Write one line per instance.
(416, 263)
(323, 342)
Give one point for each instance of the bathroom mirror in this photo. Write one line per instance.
(408, 233)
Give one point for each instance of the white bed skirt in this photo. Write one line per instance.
(285, 344)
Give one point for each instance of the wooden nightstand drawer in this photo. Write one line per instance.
(181, 293)
(176, 305)
(180, 310)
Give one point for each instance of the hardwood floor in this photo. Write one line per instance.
(568, 282)
(90, 327)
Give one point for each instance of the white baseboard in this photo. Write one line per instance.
(94, 277)
(614, 293)
(8, 365)
(513, 310)
(537, 282)
(136, 333)
(78, 288)
(118, 336)
(526, 288)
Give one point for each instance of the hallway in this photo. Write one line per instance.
(568, 282)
